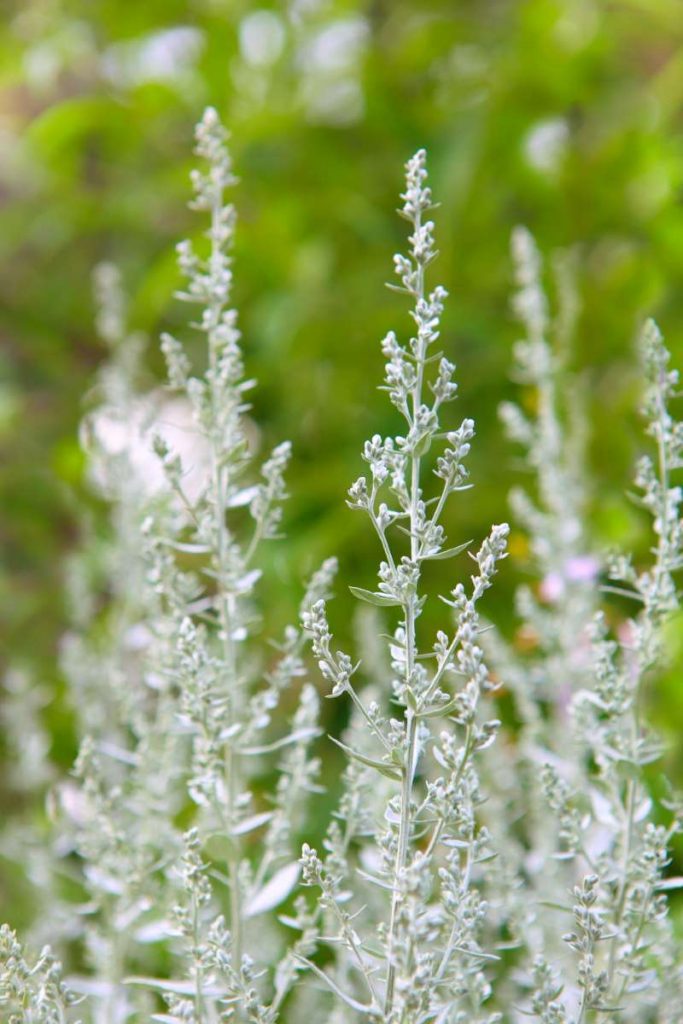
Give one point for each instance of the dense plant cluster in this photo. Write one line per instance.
(497, 853)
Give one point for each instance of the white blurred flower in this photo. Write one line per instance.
(330, 63)
(262, 38)
(56, 53)
(165, 56)
(545, 145)
(131, 439)
(338, 46)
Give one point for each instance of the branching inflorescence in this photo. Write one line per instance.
(207, 617)
(474, 872)
(634, 971)
(430, 848)
(582, 747)
(186, 733)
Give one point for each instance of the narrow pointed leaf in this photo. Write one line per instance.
(370, 762)
(274, 892)
(381, 600)
(181, 988)
(293, 737)
(349, 1000)
(670, 883)
(447, 552)
(250, 824)
(439, 710)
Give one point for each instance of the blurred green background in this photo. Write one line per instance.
(564, 115)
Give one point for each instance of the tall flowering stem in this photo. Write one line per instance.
(202, 557)
(628, 966)
(420, 960)
(555, 615)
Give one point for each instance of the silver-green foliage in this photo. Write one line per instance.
(225, 695)
(583, 745)
(418, 957)
(177, 697)
(31, 990)
(474, 871)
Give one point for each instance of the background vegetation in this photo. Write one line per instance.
(564, 115)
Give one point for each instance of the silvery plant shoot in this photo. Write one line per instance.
(495, 850)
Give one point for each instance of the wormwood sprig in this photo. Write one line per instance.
(610, 716)
(203, 567)
(113, 820)
(460, 880)
(628, 964)
(555, 612)
(173, 698)
(111, 435)
(579, 701)
(430, 847)
(216, 989)
(31, 990)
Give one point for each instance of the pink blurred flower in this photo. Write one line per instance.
(579, 569)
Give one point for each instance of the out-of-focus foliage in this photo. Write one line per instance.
(564, 115)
